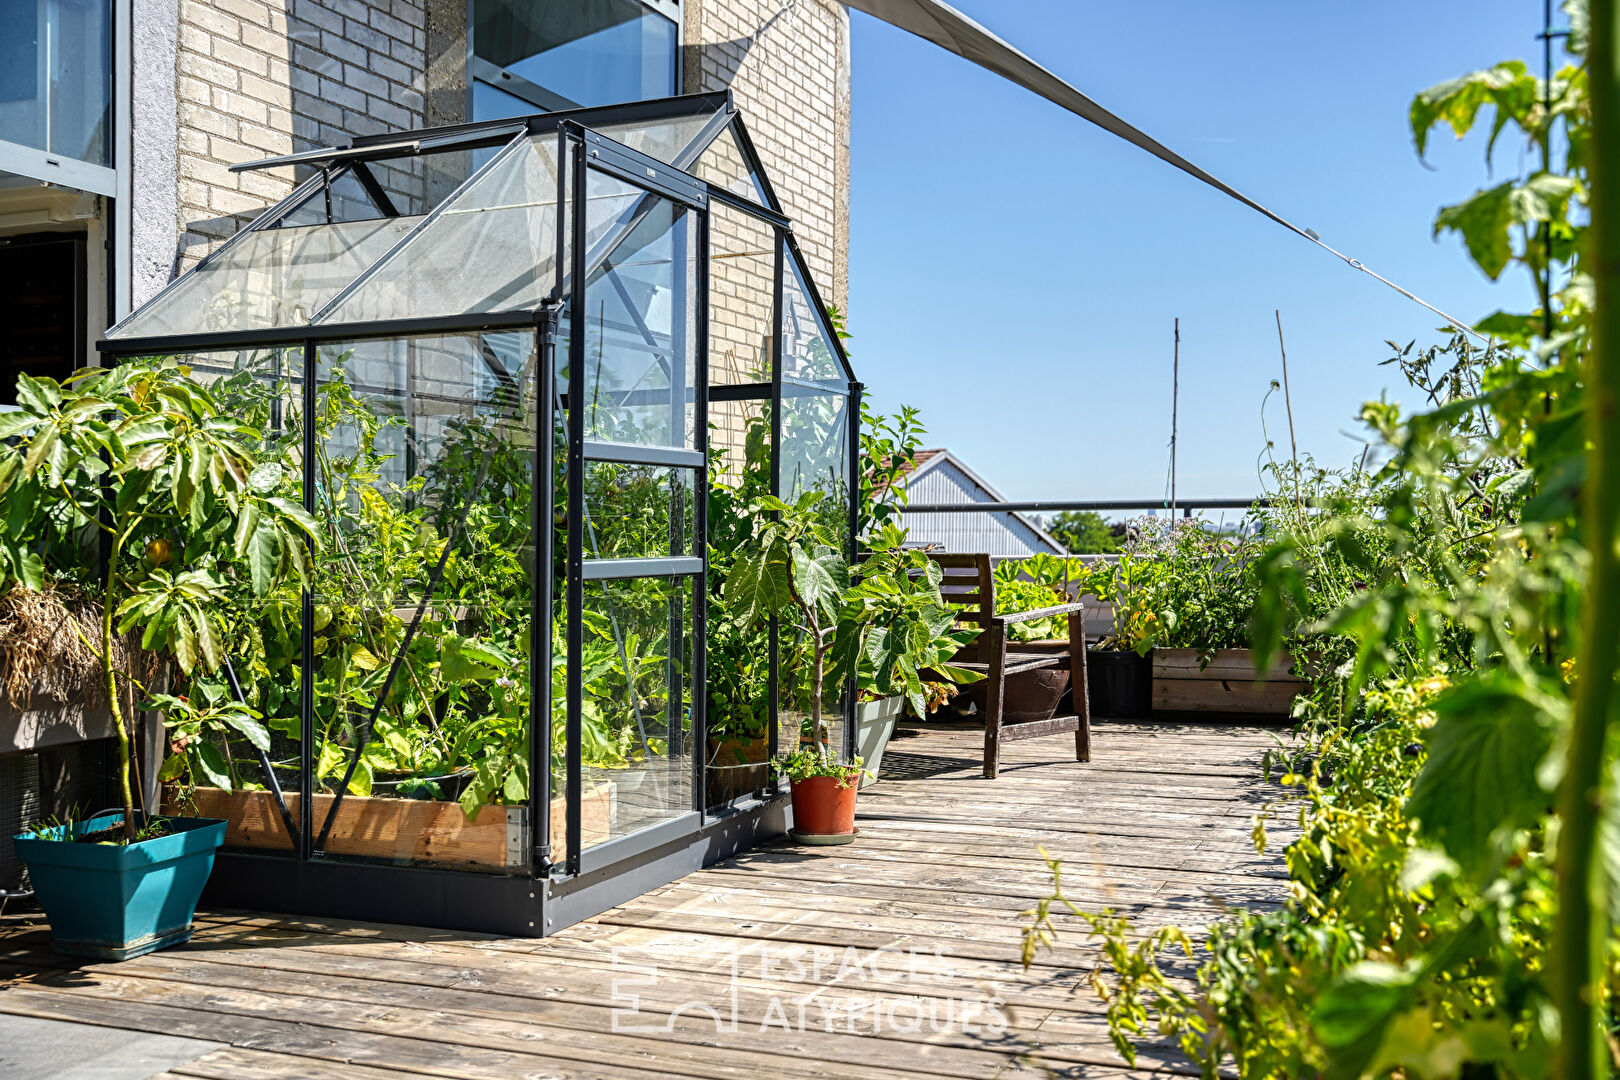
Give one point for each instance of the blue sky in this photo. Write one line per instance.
(1014, 271)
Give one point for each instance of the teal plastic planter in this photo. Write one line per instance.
(115, 901)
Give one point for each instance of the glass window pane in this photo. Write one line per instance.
(725, 165)
(494, 248)
(639, 366)
(343, 199)
(807, 351)
(737, 711)
(742, 296)
(55, 76)
(493, 103)
(271, 277)
(214, 770)
(636, 718)
(592, 52)
(425, 442)
(815, 448)
(661, 139)
(637, 511)
(814, 456)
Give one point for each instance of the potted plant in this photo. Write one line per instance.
(1120, 666)
(791, 568)
(188, 510)
(902, 636)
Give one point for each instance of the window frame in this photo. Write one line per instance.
(55, 167)
(491, 74)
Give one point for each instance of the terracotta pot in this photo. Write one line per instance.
(822, 808)
(1026, 695)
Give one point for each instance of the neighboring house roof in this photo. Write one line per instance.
(939, 476)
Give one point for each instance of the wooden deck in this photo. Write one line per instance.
(906, 942)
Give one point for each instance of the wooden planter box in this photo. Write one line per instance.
(1227, 684)
(408, 830)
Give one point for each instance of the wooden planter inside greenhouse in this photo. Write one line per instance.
(406, 830)
(1227, 684)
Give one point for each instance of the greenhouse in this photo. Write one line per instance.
(533, 373)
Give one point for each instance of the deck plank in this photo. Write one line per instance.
(1157, 827)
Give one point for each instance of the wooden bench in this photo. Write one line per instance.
(969, 586)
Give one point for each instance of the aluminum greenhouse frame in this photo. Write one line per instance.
(338, 284)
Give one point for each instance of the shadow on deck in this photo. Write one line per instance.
(894, 958)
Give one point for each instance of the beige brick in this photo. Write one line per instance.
(241, 106)
(209, 71)
(272, 140)
(267, 91)
(223, 201)
(249, 10)
(269, 42)
(209, 18)
(242, 58)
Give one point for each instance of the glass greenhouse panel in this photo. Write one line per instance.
(738, 677)
(249, 775)
(422, 598)
(639, 364)
(813, 457)
(637, 511)
(668, 140)
(342, 198)
(742, 296)
(725, 165)
(268, 278)
(808, 352)
(636, 668)
(491, 248)
(815, 449)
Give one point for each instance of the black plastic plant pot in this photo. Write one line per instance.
(1121, 683)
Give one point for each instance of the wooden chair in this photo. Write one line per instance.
(969, 585)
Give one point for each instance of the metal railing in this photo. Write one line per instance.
(1186, 506)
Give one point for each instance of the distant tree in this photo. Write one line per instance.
(1084, 532)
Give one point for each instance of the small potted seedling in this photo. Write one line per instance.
(189, 517)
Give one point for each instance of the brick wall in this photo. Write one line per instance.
(787, 63)
(258, 78)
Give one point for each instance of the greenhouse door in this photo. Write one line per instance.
(631, 501)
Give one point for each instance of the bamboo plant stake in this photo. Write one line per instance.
(1288, 401)
(1582, 914)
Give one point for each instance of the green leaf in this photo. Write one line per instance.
(516, 788)
(264, 558)
(819, 578)
(39, 449)
(298, 516)
(207, 638)
(1483, 219)
(246, 523)
(466, 660)
(758, 587)
(1488, 741)
(15, 423)
(206, 759)
(40, 396)
(265, 478)
(1351, 1015)
(250, 729)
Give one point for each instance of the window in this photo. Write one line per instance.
(55, 84)
(541, 57)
